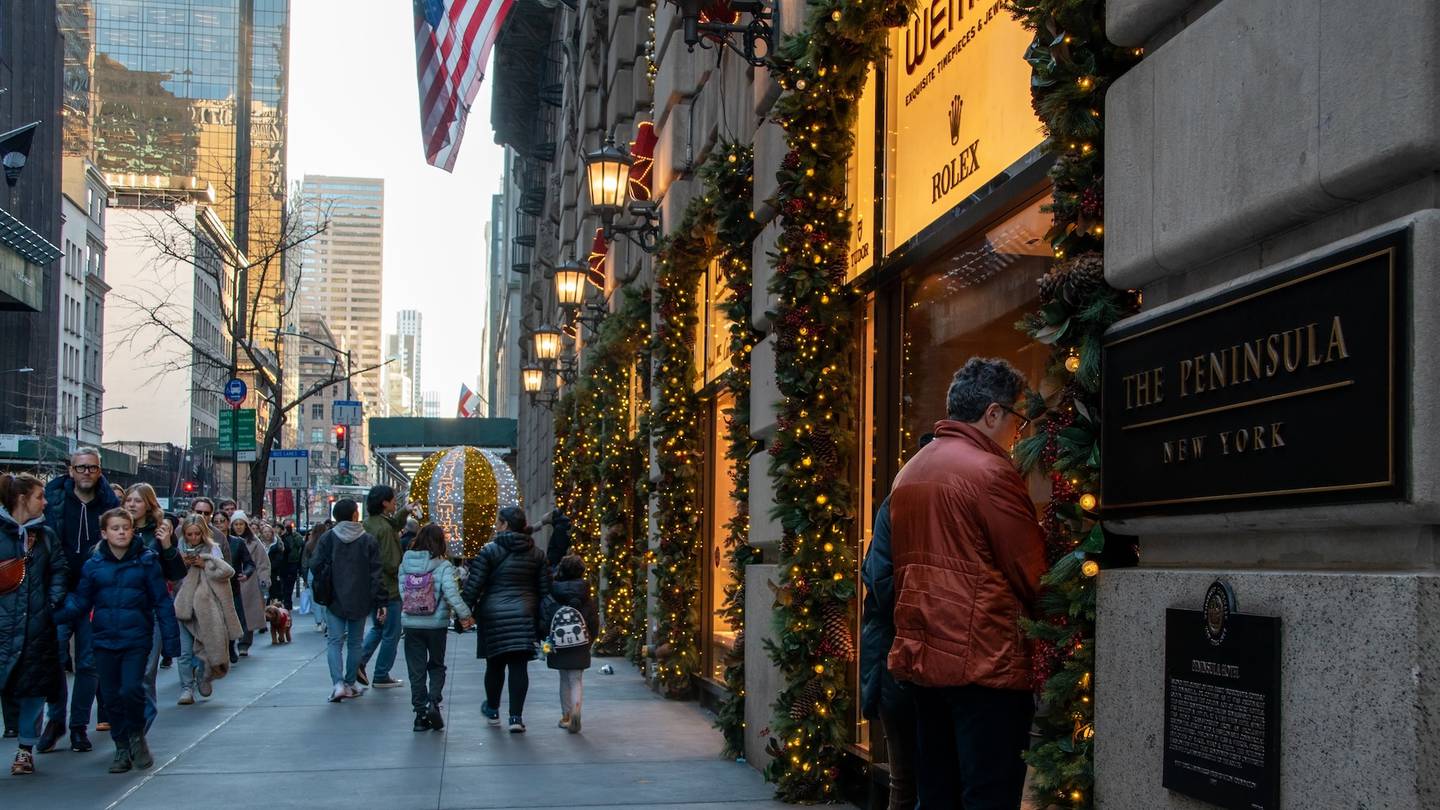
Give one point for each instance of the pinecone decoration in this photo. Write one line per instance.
(1092, 202)
(826, 453)
(805, 700)
(838, 642)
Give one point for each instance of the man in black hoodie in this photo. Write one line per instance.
(73, 506)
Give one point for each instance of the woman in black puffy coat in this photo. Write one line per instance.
(506, 582)
(29, 649)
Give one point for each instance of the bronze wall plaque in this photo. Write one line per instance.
(1285, 391)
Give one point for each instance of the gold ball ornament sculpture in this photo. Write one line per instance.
(462, 489)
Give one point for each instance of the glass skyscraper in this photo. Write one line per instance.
(187, 88)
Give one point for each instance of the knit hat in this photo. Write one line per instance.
(238, 516)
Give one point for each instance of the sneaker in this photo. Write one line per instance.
(491, 715)
(574, 726)
(564, 721)
(102, 726)
(517, 726)
(166, 661)
(79, 742)
(234, 659)
(50, 735)
(187, 697)
(339, 693)
(24, 763)
(353, 691)
(206, 687)
(121, 763)
(140, 752)
(362, 677)
(387, 682)
(244, 653)
(11, 733)
(422, 721)
(433, 715)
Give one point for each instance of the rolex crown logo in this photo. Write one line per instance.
(956, 104)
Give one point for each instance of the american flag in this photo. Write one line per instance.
(452, 45)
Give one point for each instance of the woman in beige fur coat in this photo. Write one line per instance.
(205, 606)
(254, 587)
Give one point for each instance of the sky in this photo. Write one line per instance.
(354, 110)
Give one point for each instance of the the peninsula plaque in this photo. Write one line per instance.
(1222, 704)
(1282, 391)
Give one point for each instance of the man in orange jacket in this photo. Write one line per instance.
(968, 555)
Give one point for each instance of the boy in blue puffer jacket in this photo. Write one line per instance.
(124, 586)
(429, 590)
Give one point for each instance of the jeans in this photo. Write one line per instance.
(572, 690)
(386, 638)
(425, 655)
(152, 671)
(339, 631)
(518, 664)
(83, 693)
(30, 710)
(186, 666)
(990, 729)
(122, 682)
(898, 724)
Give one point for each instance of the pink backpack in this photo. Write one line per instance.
(417, 594)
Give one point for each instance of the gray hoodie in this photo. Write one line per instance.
(353, 557)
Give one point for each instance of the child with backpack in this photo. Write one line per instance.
(573, 619)
(429, 590)
(124, 586)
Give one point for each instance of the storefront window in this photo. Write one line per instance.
(720, 510)
(964, 304)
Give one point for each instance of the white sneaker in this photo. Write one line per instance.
(353, 691)
(187, 697)
(339, 694)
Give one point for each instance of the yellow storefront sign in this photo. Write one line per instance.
(860, 183)
(957, 109)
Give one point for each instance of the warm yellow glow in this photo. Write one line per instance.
(570, 285)
(547, 343)
(1088, 502)
(533, 379)
(1090, 568)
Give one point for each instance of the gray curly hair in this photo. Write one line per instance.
(981, 381)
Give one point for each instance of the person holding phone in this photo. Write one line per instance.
(205, 608)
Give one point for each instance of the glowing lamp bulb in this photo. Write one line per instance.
(1088, 502)
(1090, 568)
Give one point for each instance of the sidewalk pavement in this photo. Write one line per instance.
(268, 739)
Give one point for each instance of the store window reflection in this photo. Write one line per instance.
(967, 303)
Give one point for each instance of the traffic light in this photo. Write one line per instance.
(340, 436)
(188, 487)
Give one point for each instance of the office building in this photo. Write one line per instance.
(81, 359)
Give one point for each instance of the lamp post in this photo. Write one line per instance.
(83, 417)
(607, 178)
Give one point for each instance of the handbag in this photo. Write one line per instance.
(12, 571)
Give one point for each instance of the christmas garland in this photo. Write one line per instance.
(597, 462)
(676, 434)
(717, 224)
(618, 355)
(822, 70)
(735, 225)
(1072, 66)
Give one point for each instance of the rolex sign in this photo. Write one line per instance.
(958, 103)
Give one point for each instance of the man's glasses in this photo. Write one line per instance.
(202, 512)
(85, 469)
(1024, 420)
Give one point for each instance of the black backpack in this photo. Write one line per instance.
(322, 570)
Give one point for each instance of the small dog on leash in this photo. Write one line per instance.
(279, 620)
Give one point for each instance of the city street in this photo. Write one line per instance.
(268, 738)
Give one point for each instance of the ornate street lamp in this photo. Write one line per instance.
(607, 177)
(702, 21)
(570, 285)
(532, 378)
(547, 344)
